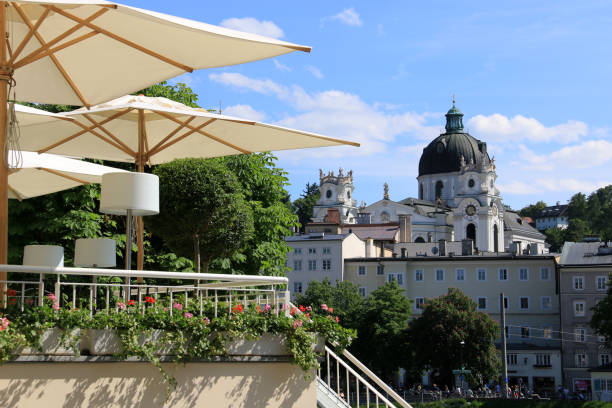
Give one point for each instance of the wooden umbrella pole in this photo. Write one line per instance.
(5, 77)
(140, 164)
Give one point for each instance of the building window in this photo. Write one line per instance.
(482, 274)
(440, 274)
(505, 302)
(581, 360)
(326, 251)
(578, 307)
(601, 282)
(380, 269)
(460, 274)
(546, 303)
(297, 251)
(418, 303)
(512, 359)
(398, 277)
(312, 251)
(544, 274)
(604, 359)
(578, 282)
(327, 264)
(312, 265)
(507, 331)
(362, 269)
(524, 274)
(362, 291)
(482, 303)
(297, 287)
(524, 302)
(297, 265)
(524, 332)
(580, 334)
(418, 275)
(543, 359)
(503, 274)
(547, 332)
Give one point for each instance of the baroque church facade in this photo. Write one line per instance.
(457, 198)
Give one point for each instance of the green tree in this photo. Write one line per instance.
(578, 207)
(202, 210)
(303, 206)
(555, 237)
(576, 230)
(601, 321)
(383, 321)
(532, 210)
(178, 92)
(435, 337)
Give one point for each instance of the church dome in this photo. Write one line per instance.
(446, 152)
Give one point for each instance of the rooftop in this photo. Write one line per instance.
(586, 253)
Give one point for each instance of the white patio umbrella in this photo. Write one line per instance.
(40, 174)
(83, 52)
(143, 129)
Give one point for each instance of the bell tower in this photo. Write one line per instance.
(336, 192)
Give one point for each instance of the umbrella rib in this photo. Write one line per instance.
(60, 174)
(108, 132)
(183, 136)
(165, 139)
(27, 38)
(59, 66)
(203, 133)
(123, 40)
(44, 50)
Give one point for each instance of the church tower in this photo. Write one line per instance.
(455, 172)
(336, 193)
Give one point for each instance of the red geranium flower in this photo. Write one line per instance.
(238, 309)
(11, 292)
(302, 309)
(131, 302)
(149, 299)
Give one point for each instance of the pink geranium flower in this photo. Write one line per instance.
(267, 308)
(297, 323)
(56, 306)
(188, 315)
(121, 305)
(4, 323)
(177, 306)
(51, 297)
(324, 307)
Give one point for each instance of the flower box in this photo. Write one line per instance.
(54, 342)
(101, 342)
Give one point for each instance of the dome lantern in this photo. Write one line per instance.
(454, 119)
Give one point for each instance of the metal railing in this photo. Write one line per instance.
(118, 287)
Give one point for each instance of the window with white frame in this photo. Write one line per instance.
(601, 282)
(512, 359)
(327, 264)
(312, 265)
(362, 270)
(503, 274)
(297, 251)
(439, 275)
(604, 359)
(326, 251)
(524, 302)
(579, 307)
(312, 251)
(581, 359)
(418, 275)
(482, 303)
(419, 302)
(460, 274)
(578, 282)
(380, 269)
(362, 291)
(523, 274)
(580, 334)
(544, 273)
(546, 302)
(297, 265)
(400, 278)
(481, 274)
(525, 332)
(547, 332)
(543, 359)
(297, 287)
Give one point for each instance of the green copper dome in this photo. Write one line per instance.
(454, 120)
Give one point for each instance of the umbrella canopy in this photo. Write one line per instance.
(40, 174)
(86, 52)
(162, 130)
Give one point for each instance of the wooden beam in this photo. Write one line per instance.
(29, 35)
(60, 174)
(174, 132)
(140, 167)
(5, 78)
(178, 139)
(26, 61)
(123, 40)
(108, 132)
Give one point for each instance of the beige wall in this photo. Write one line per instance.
(132, 384)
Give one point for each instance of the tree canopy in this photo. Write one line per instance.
(532, 210)
(601, 321)
(303, 206)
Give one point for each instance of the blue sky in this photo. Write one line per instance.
(532, 78)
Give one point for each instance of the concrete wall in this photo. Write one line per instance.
(136, 384)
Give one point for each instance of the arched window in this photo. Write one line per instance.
(439, 188)
(495, 238)
(470, 232)
(384, 217)
(421, 191)
(419, 239)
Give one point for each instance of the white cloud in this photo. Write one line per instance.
(280, 66)
(244, 112)
(588, 154)
(347, 16)
(542, 185)
(253, 26)
(240, 81)
(500, 128)
(316, 72)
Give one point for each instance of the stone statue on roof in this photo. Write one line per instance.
(386, 190)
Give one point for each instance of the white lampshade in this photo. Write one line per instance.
(138, 192)
(95, 252)
(43, 255)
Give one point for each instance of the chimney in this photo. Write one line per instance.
(405, 221)
(403, 252)
(442, 247)
(370, 249)
(333, 216)
(467, 247)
